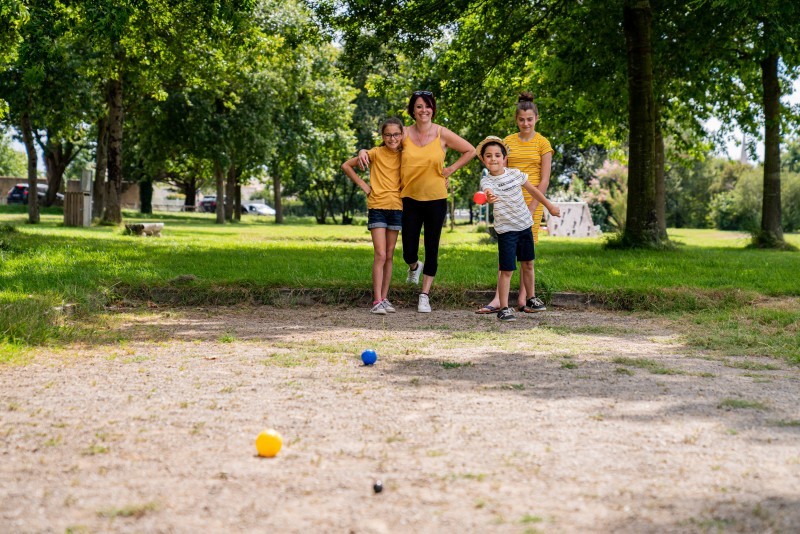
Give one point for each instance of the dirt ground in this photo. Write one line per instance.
(566, 421)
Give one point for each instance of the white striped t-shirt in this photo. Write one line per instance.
(510, 211)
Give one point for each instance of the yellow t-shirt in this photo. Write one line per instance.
(384, 179)
(527, 157)
(421, 169)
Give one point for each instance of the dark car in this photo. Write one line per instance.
(209, 204)
(19, 194)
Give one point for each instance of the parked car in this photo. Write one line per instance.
(19, 194)
(258, 209)
(209, 204)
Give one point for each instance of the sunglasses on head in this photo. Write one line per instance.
(421, 93)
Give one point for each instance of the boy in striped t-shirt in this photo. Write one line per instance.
(512, 218)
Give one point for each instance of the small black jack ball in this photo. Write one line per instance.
(378, 487)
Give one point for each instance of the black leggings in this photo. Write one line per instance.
(418, 213)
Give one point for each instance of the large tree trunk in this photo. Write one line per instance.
(771, 229)
(641, 225)
(230, 192)
(237, 202)
(661, 185)
(190, 194)
(276, 180)
(113, 212)
(57, 157)
(146, 197)
(100, 167)
(219, 176)
(30, 150)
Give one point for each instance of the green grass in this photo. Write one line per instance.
(710, 274)
(742, 404)
(648, 365)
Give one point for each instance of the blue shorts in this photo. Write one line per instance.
(390, 219)
(515, 246)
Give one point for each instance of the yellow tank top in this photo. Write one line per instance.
(421, 168)
(384, 179)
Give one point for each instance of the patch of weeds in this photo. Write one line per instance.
(742, 404)
(228, 389)
(197, 428)
(793, 423)
(13, 406)
(598, 417)
(714, 524)
(528, 518)
(76, 529)
(415, 381)
(649, 365)
(94, 449)
(134, 510)
(569, 365)
(702, 374)
(434, 453)
(480, 477)
(54, 441)
(751, 365)
(395, 438)
(770, 330)
(136, 359)
(227, 337)
(285, 360)
(623, 371)
(455, 365)
(479, 504)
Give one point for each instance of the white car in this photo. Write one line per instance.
(259, 209)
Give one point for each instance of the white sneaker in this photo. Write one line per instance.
(388, 306)
(413, 276)
(424, 305)
(378, 309)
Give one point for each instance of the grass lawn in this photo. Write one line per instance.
(46, 265)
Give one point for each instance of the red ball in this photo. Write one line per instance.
(479, 197)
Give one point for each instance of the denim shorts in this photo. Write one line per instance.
(515, 246)
(390, 219)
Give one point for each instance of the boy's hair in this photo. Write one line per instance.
(525, 102)
(494, 143)
(491, 140)
(391, 120)
(427, 97)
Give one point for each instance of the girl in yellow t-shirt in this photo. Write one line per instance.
(384, 207)
(531, 153)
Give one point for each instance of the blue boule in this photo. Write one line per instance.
(369, 357)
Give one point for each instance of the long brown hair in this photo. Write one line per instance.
(525, 102)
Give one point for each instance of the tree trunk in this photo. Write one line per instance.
(237, 202)
(113, 212)
(30, 150)
(100, 167)
(230, 192)
(276, 180)
(771, 229)
(661, 185)
(146, 197)
(641, 225)
(219, 176)
(57, 157)
(190, 194)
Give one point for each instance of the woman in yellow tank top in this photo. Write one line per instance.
(531, 153)
(423, 182)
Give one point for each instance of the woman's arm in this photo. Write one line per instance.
(544, 173)
(458, 143)
(347, 168)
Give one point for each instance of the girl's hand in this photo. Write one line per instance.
(554, 211)
(367, 189)
(363, 159)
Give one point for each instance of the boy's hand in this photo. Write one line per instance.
(490, 197)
